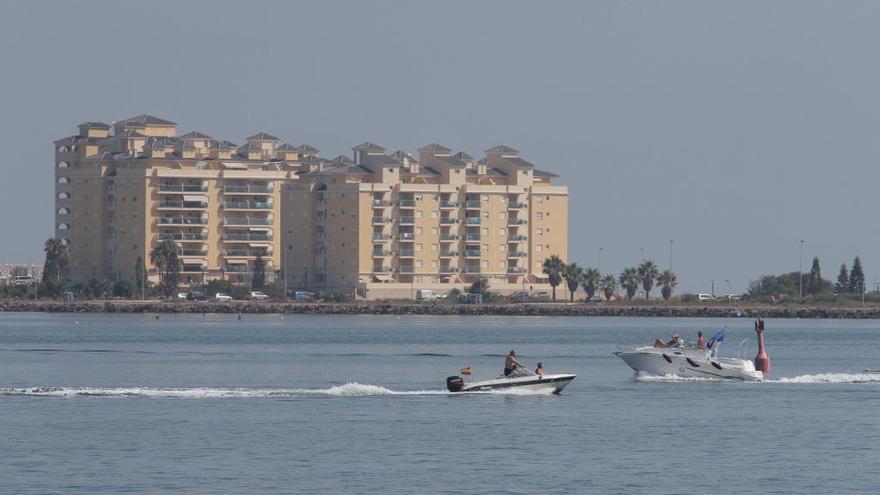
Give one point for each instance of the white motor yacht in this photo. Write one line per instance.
(686, 360)
(521, 379)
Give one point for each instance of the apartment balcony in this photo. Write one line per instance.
(448, 269)
(448, 237)
(182, 236)
(406, 220)
(513, 222)
(515, 269)
(448, 254)
(472, 253)
(517, 238)
(406, 203)
(380, 203)
(248, 189)
(406, 269)
(381, 269)
(247, 237)
(472, 205)
(515, 205)
(448, 204)
(406, 253)
(407, 236)
(516, 254)
(244, 253)
(194, 252)
(448, 221)
(472, 237)
(377, 253)
(182, 205)
(182, 221)
(236, 269)
(182, 188)
(381, 220)
(246, 221)
(471, 269)
(473, 220)
(247, 205)
(381, 237)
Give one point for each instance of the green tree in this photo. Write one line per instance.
(166, 258)
(609, 286)
(123, 288)
(629, 281)
(572, 274)
(814, 283)
(19, 271)
(553, 267)
(480, 286)
(55, 266)
(856, 277)
(667, 282)
(259, 278)
(140, 275)
(590, 281)
(842, 284)
(648, 272)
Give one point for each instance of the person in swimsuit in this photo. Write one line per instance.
(540, 369)
(701, 341)
(510, 363)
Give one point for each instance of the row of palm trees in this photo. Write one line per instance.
(630, 279)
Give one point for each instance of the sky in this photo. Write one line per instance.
(735, 129)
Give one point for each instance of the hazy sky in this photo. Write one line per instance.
(735, 128)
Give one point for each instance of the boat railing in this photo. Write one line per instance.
(740, 354)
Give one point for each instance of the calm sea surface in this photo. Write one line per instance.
(357, 404)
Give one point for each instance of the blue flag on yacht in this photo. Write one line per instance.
(718, 337)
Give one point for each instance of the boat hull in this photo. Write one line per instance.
(547, 384)
(684, 364)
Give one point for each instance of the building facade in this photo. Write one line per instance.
(382, 224)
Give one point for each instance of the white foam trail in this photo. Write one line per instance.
(347, 390)
(831, 378)
(643, 377)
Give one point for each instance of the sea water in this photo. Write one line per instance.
(357, 404)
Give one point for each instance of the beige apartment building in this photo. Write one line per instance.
(379, 224)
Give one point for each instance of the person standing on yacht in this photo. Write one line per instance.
(510, 363)
(701, 341)
(540, 370)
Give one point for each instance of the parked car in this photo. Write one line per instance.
(258, 296)
(196, 296)
(705, 297)
(182, 296)
(426, 295)
(222, 297)
(302, 295)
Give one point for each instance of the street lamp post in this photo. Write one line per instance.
(800, 271)
(713, 287)
(670, 255)
(600, 259)
(729, 289)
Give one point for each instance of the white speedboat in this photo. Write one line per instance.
(520, 379)
(688, 361)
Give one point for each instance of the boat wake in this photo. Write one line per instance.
(818, 378)
(348, 390)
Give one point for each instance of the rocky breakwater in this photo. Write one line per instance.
(544, 309)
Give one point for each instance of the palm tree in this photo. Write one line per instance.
(572, 274)
(553, 267)
(609, 286)
(629, 280)
(57, 261)
(667, 282)
(648, 271)
(165, 257)
(590, 281)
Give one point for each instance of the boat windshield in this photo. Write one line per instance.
(519, 373)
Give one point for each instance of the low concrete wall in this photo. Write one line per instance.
(575, 309)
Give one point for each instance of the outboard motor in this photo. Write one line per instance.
(762, 360)
(454, 383)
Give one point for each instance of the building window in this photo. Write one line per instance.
(539, 248)
(434, 247)
(418, 247)
(63, 195)
(418, 213)
(484, 264)
(435, 214)
(501, 247)
(484, 247)
(418, 263)
(419, 230)
(63, 164)
(434, 264)
(418, 197)
(540, 215)
(484, 231)
(502, 215)
(63, 226)
(484, 197)
(539, 231)
(63, 180)
(484, 215)
(502, 264)
(63, 211)
(502, 231)
(434, 230)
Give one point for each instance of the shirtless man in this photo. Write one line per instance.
(510, 363)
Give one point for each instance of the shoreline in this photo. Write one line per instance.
(525, 309)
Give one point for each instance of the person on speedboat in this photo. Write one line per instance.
(674, 341)
(510, 363)
(540, 370)
(701, 341)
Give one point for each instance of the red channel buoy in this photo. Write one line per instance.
(762, 360)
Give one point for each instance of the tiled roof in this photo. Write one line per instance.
(286, 147)
(461, 155)
(75, 139)
(543, 173)
(94, 125)
(369, 148)
(262, 136)
(435, 148)
(504, 150)
(305, 149)
(343, 160)
(195, 135)
(144, 120)
(400, 156)
(129, 133)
